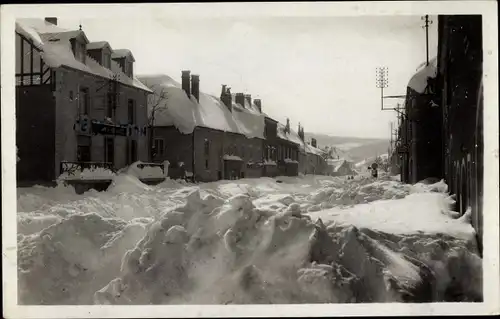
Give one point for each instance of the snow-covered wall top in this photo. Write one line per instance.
(419, 81)
(59, 53)
(186, 113)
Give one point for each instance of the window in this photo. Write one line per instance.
(206, 164)
(159, 146)
(109, 150)
(207, 147)
(79, 50)
(106, 60)
(130, 70)
(109, 105)
(83, 149)
(84, 101)
(131, 111)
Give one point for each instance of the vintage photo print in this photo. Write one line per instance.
(250, 159)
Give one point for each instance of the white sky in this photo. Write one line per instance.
(319, 71)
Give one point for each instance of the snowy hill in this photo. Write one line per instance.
(353, 148)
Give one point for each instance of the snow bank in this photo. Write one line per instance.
(143, 170)
(40, 197)
(251, 241)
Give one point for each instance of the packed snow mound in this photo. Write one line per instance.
(70, 257)
(142, 170)
(305, 240)
(41, 197)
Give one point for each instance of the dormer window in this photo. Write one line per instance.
(125, 59)
(130, 69)
(79, 50)
(101, 52)
(106, 60)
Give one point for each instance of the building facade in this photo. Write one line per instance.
(73, 107)
(210, 149)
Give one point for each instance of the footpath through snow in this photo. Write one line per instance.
(300, 240)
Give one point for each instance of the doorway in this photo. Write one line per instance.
(109, 150)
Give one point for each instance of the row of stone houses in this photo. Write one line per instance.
(79, 104)
(76, 101)
(225, 137)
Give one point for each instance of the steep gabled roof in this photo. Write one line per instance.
(56, 51)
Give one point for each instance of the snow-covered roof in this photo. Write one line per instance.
(314, 150)
(232, 158)
(59, 53)
(121, 53)
(185, 113)
(249, 120)
(291, 136)
(97, 45)
(419, 81)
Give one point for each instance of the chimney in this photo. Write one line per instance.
(301, 133)
(313, 142)
(52, 20)
(287, 127)
(226, 97)
(195, 87)
(186, 84)
(258, 103)
(248, 98)
(240, 99)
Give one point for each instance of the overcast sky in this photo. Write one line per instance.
(319, 71)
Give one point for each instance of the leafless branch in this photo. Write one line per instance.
(158, 99)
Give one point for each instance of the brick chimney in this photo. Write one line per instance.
(52, 20)
(287, 127)
(301, 132)
(313, 142)
(186, 83)
(226, 97)
(248, 98)
(195, 86)
(258, 103)
(240, 99)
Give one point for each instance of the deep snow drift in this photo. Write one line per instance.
(305, 240)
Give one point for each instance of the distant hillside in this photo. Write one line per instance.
(355, 148)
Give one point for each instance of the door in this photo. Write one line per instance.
(133, 151)
(109, 144)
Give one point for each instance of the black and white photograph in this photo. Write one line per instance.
(340, 157)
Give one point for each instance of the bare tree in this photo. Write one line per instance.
(156, 100)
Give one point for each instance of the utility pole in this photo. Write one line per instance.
(392, 133)
(426, 26)
(382, 75)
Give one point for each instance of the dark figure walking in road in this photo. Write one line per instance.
(374, 170)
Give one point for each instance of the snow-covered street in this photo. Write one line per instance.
(312, 239)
